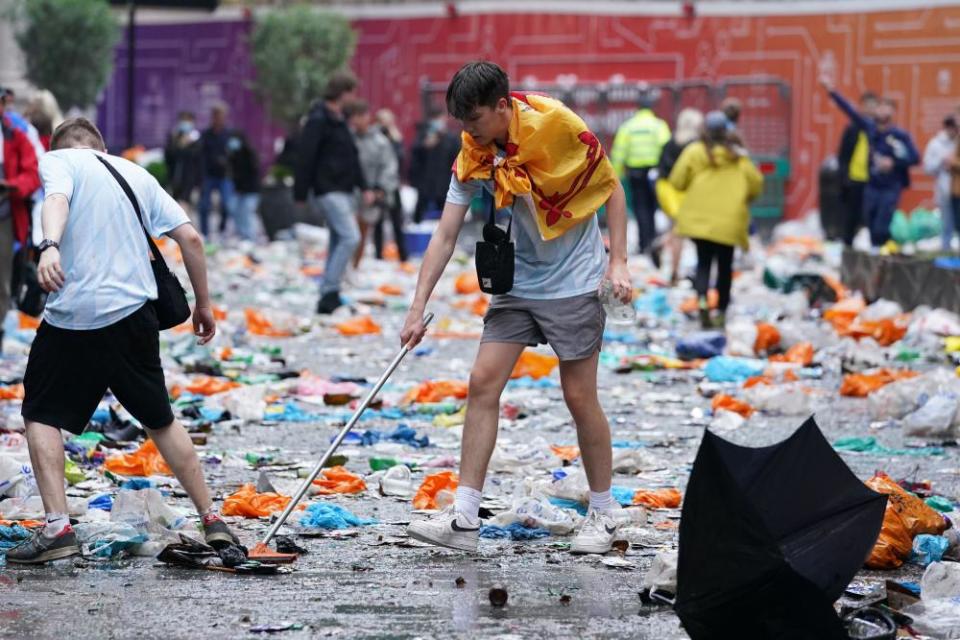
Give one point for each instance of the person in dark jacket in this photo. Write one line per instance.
(853, 162)
(216, 170)
(245, 169)
(432, 155)
(182, 155)
(892, 153)
(328, 166)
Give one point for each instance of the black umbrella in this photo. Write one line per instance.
(770, 537)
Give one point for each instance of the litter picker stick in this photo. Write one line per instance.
(340, 436)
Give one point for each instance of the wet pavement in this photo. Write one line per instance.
(373, 582)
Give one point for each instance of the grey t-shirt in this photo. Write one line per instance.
(570, 265)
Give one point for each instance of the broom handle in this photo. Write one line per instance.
(340, 436)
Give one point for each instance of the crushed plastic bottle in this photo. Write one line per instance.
(618, 312)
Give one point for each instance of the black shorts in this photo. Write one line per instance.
(68, 372)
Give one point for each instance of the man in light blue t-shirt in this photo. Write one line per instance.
(554, 299)
(100, 329)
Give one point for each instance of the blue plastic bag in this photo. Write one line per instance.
(706, 344)
(515, 531)
(322, 515)
(729, 369)
(928, 548)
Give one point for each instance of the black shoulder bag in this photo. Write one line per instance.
(495, 254)
(171, 303)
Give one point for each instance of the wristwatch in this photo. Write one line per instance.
(46, 244)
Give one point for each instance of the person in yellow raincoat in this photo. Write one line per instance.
(719, 181)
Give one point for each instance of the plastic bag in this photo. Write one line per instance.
(31, 508)
(893, 545)
(322, 515)
(359, 326)
(935, 419)
(800, 353)
(248, 503)
(662, 573)
(435, 391)
(935, 618)
(724, 420)
(659, 498)
(338, 480)
(426, 496)
(636, 461)
(246, 403)
(768, 338)
(16, 477)
(941, 580)
(467, 283)
(727, 369)
(701, 345)
(861, 385)
(145, 461)
(917, 516)
(145, 510)
(729, 403)
(537, 513)
(259, 325)
(533, 364)
(566, 486)
(209, 386)
(109, 539)
(784, 399)
(927, 549)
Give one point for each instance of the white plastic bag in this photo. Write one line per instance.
(940, 580)
(662, 573)
(785, 399)
(540, 513)
(741, 336)
(934, 419)
(246, 403)
(936, 618)
(145, 511)
(880, 310)
(16, 476)
(636, 460)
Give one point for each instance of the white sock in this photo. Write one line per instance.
(468, 502)
(55, 524)
(601, 501)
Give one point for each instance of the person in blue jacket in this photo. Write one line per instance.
(892, 153)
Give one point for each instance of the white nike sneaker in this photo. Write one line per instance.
(447, 529)
(596, 535)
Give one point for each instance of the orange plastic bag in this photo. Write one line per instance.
(145, 461)
(860, 385)
(885, 331)
(658, 498)
(842, 314)
(435, 391)
(533, 364)
(208, 386)
(467, 283)
(359, 326)
(894, 543)
(568, 453)
(338, 480)
(426, 496)
(478, 306)
(916, 514)
(28, 322)
(768, 337)
(801, 353)
(390, 290)
(729, 403)
(11, 392)
(753, 381)
(248, 503)
(258, 325)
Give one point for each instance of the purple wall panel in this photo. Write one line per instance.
(185, 67)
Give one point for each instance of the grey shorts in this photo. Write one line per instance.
(572, 326)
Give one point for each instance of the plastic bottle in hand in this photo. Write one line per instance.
(617, 311)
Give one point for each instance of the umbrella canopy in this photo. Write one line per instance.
(770, 537)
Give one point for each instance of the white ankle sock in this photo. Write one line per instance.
(601, 501)
(468, 502)
(55, 524)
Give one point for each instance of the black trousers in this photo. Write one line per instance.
(395, 213)
(852, 196)
(709, 252)
(644, 206)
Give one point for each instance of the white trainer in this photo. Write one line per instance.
(448, 528)
(596, 535)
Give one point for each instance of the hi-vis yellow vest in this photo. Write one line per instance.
(639, 141)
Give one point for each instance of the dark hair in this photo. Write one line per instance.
(355, 108)
(476, 84)
(950, 122)
(868, 96)
(339, 83)
(77, 130)
(731, 108)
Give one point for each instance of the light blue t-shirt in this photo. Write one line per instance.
(572, 265)
(103, 252)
